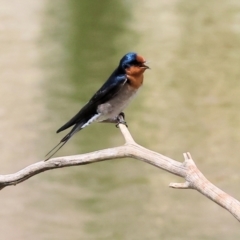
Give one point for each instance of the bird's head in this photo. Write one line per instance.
(133, 63)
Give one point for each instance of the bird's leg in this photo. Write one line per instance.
(121, 119)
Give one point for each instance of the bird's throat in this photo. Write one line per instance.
(135, 81)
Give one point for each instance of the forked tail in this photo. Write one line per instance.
(58, 146)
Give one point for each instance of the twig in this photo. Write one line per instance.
(188, 170)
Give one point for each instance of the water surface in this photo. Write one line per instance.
(55, 56)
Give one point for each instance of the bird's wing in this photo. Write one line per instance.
(108, 90)
(105, 93)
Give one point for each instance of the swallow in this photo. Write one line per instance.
(110, 100)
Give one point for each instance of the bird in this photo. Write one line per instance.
(108, 103)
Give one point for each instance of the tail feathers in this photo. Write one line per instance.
(58, 146)
(74, 130)
(62, 142)
(51, 153)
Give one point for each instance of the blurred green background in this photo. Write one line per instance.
(55, 54)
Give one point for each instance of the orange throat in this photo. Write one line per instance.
(135, 76)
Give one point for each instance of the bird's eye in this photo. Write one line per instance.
(137, 64)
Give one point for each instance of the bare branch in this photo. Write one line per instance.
(188, 170)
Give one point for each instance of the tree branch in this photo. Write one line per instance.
(188, 170)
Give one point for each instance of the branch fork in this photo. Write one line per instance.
(188, 170)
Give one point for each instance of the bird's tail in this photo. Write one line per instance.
(57, 147)
(63, 142)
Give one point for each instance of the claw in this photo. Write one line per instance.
(121, 120)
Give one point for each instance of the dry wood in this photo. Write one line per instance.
(194, 179)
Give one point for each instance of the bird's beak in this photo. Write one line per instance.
(143, 65)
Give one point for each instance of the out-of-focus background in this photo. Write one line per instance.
(55, 54)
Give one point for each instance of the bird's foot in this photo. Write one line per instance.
(121, 119)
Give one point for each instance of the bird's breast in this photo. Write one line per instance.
(118, 103)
